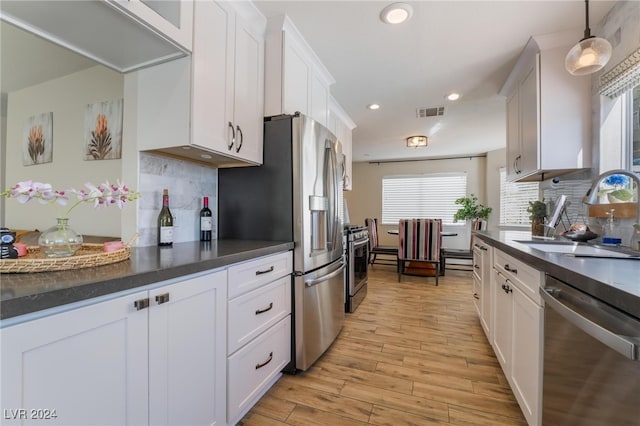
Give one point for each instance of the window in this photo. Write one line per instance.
(422, 196)
(634, 128)
(514, 200)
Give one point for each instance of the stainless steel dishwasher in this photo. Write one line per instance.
(591, 368)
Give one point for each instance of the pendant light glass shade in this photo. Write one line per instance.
(590, 54)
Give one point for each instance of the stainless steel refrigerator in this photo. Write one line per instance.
(296, 195)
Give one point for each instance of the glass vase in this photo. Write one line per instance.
(60, 240)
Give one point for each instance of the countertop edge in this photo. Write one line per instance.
(128, 280)
(574, 276)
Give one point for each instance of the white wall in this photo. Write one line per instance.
(365, 200)
(66, 97)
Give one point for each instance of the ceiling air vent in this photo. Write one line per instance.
(430, 112)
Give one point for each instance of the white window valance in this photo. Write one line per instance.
(622, 77)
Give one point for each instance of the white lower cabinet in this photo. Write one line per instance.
(87, 366)
(259, 330)
(517, 331)
(152, 357)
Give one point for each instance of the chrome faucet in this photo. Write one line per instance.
(591, 196)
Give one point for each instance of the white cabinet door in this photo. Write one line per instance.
(319, 102)
(187, 351)
(296, 77)
(212, 98)
(529, 121)
(526, 365)
(502, 326)
(88, 364)
(513, 135)
(248, 91)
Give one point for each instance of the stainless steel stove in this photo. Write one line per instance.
(357, 253)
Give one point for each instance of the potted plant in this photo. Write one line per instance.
(471, 209)
(537, 213)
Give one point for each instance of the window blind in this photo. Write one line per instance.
(514, 200)
(422, 196)
(622, 77)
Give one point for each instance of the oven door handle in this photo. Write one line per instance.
(620, 344)
(360, 243)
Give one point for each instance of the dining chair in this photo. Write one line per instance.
(419, 240)
(463, 254)
(375, 248)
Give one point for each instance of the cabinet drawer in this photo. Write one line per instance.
(254, 312)
(251, 368)
(244, 277)
(477, 294)
(528, 279)
(477, 263)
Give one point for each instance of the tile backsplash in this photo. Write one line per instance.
(578, 212)
(187, 183)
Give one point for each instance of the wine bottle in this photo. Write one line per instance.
(206, 221)
(165, 222)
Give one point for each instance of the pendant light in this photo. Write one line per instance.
(590, 54)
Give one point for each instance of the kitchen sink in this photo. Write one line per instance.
(577, 249)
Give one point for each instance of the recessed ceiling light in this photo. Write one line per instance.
(416, 141)
(396, 13)
(453, 96)
(373, 107)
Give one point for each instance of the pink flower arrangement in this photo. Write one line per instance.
(102, 195)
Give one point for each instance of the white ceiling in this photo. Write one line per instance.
(463, 46)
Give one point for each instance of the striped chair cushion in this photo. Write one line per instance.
(420, 239)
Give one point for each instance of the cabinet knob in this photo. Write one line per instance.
(162, 298)
(241, 135)
(233, 137)
(141, 304)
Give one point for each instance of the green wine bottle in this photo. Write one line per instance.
(165, 222)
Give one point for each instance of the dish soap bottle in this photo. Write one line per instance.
(611, 237)
(635, 237)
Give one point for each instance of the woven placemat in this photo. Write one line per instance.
(87, 256)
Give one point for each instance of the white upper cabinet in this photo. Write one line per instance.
(138, 35)
(295, 79)
(548, 112)
(342, 127)
(209, 108)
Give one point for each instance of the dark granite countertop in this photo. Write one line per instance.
(31, 292)
(614, 281)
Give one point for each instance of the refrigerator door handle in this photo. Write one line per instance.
(315, 281)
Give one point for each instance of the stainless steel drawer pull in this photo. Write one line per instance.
(141, 304)
(509, 269)
(162, 298)
(266, 271)
(266, 362)
(262, 311)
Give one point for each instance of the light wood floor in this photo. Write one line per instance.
(411, 354)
